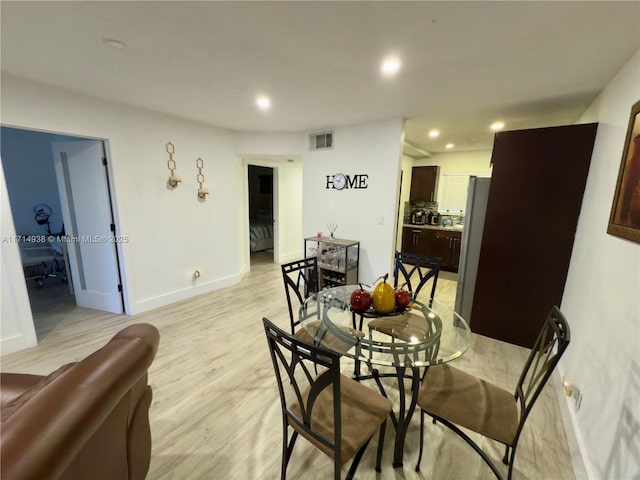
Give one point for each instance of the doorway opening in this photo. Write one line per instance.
(60, 199)
(261, 217)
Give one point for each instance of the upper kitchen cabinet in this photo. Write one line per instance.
(534, 201)
(424, 181)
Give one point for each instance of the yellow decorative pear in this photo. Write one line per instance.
(384, 300)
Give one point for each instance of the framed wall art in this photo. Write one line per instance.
(624, 220)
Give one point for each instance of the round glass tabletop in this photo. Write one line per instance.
(419, 336)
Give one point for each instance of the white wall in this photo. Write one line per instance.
(268, 143)
(16, 327)
(290, 211)
(171, 233)
(602, 303)
(368, 215)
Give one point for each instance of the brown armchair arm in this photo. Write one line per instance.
(12, 385)
(54, 421)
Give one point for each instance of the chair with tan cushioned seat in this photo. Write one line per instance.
(458, 399)
(415, 271)
(336, 414)
(300, 282)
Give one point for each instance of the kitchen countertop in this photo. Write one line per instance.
(454, 228)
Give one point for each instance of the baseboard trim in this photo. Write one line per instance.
(15, 344)
(184, 294)
(290, 256)
(574, 441)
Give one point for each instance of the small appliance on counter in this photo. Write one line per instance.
(434, 218)
(418, 218)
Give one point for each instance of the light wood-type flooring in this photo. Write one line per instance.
(216, 412)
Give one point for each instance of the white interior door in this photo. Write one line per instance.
(86, 210)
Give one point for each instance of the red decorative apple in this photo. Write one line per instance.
(403, 298)
(360, 300)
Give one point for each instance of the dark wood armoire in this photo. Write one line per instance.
(536, 191)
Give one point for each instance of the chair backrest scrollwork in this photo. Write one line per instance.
(415, 271)
(300, 281)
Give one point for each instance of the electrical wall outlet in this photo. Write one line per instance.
(567, 386)
(573, 391)
(577, 396)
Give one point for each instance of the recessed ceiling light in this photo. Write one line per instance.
(113, 43)
(449, 145)
(390, 67)
(434, 133)
(263, 102)
(497, 126)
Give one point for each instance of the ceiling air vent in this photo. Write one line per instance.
(321, 140)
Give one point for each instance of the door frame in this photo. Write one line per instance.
(119, 247)
(257, 162)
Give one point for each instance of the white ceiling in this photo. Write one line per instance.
(464, 64)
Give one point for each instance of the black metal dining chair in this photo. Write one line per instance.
(458, 399)
(336, 414)
(300, 279)
(300, 282)
(415, 271)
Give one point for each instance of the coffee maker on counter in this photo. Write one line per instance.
(434, 218)
(418, 218)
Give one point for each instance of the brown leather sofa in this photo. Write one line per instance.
(86, 420)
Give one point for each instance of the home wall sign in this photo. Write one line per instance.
(340, 181)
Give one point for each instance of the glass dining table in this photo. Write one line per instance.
(402, 344)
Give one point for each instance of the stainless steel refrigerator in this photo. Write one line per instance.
(476, 208)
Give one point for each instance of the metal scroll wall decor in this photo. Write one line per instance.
(202, 191)
(174, 179)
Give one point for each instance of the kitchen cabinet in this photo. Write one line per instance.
(538, 175)
(416, 240)
(456, 240)
(338, 260)
(424, 181)
(434, 243)
(446, 245)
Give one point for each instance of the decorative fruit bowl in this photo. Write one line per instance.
(383, 301)
(372, 313)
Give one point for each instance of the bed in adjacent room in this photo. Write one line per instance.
(260, 235)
